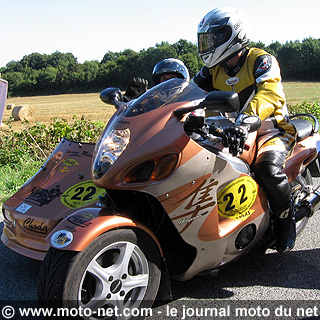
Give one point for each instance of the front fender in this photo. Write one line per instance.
(79, 229)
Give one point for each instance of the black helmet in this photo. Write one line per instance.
(170, 66)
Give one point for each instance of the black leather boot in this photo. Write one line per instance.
(285, 228)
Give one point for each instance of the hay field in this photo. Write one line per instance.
(63, 106)
(296, 92)
(91, 107)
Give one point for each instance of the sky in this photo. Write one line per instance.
(89, 29)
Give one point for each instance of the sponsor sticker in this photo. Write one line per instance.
(81, 194)
(61, 238)
(35, 226)
(235, 200)
(68, 163)
(81, 220)
(23, 208)
(232, 81)
(41, 196)
(264, 65)
(71, 162)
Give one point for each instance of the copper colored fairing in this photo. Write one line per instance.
(89, 223)
(60, 187)
(303, 153)
(165, 136)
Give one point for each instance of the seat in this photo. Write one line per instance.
(304, 128)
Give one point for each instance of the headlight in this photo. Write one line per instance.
(111, 146)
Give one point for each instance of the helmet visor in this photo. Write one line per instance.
(214, 38)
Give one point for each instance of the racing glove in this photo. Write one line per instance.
(236, 137)
(232, 137)
(237, 133)
(136, 87)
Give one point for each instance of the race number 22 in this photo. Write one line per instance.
(236, 199)
(81, 194)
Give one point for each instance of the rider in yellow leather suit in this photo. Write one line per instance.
(255, 75)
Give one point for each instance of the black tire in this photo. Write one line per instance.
(118, 270)
(52, 276)
(297, 195)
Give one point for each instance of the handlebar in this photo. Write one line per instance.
(182, 111)
(222, 130)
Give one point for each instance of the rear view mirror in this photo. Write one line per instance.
(110, 95)
(222, 101)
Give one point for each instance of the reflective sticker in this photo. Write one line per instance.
(61, 238)
(23, 208)
(235, 200)
(81, 194)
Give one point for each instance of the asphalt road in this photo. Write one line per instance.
(270, 280)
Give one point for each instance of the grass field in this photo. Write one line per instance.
(296, 92)
(92, 108)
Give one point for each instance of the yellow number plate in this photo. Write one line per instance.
(236, 199)
(81, 194)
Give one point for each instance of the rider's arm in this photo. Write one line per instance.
(204, 79)
(269, 95)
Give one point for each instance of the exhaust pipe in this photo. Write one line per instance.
(309, 205)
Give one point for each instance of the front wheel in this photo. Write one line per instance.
(117, 275)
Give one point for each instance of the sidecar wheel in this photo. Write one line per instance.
(120, 270)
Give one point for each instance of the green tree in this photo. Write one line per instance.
(258, 44)
(60, 72)
(274, 48)
(13, 66)
(87, 74)
(34, 61)
(192, 62)
(188, 53)
(62, 60)
(46, 79)
(310, 59)
(153, 55)
(109, 56)
(15, 80)
(184, 47)
(289, 57)
(107, 75)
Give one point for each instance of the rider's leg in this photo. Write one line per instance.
(269, 176)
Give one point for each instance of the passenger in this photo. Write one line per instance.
(164, 70)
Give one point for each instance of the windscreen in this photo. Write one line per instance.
(170, 91)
